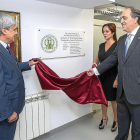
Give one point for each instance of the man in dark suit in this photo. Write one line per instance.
(12, 90)
(127, 55)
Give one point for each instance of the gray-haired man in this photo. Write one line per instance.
(127, 55)
(12, 90)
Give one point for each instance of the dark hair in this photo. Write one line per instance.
(135, 12)
(112, 27)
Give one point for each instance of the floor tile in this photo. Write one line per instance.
(86, 130)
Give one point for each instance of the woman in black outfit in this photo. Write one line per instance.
(108, 79)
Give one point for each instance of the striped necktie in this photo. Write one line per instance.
(11, 54)
(127, 43)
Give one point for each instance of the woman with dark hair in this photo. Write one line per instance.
(108, 79)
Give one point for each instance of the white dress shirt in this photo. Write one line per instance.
(4, 44)
(131, 39)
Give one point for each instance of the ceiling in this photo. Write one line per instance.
(118, 5)
(98, 5)
(99, 12)
(92, 3)
(83, 4)
(129, 2)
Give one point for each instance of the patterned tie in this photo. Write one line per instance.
(11, 54)
(127, 43)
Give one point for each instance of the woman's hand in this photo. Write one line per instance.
(115, 84)
(95, 64)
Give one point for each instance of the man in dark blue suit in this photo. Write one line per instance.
(12, 90)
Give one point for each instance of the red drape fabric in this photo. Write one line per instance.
(12, 48)
(81, 88)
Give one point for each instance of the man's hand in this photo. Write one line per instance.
(13, 117)
(32, 62)
(90, 72)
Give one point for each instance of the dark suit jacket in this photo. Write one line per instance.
(128, 68)
(12, 90)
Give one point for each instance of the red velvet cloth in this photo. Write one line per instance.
(12, 48)
(81, 88)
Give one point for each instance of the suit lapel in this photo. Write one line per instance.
(133, 45)
(6, 54)
(123, 44)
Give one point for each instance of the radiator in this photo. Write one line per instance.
(35, 117)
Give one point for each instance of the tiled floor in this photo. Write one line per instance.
(86, 130)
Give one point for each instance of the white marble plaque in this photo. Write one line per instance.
(60, 43)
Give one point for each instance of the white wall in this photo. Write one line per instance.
(36, 14)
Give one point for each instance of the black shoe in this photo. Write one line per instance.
(113, 128)
(101, 126)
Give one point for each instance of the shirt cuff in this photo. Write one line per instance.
(29, 64)
(95, 71)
